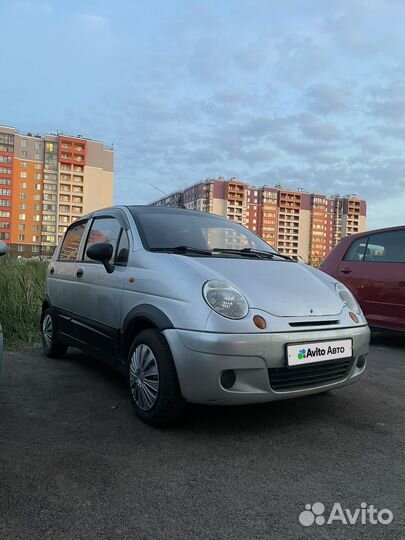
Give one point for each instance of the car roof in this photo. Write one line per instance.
(376, 231)
(144, 208)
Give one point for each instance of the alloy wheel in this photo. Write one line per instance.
(144, 377)
(47, 331)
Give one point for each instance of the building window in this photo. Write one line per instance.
(23, 174)
(35, 228)
(37, 197)
(23, 154)
(35, 238)
(23, 206)
(23, 185)
(37, 156)
(35, 249)
(23, 196)
(37, 146)
(20, 247)
(37, 176)
(21, 237)
(37, 187)
(38, 166)
(24, 143)
(21, 227)
(23, 164)
(37, 218)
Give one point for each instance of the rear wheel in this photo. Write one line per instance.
(152, 379)
(52, 347)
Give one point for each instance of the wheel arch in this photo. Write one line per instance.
(45, 305)
(141, 318)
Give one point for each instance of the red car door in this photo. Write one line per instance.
(352, 271)
(384, 290)
(374, 270)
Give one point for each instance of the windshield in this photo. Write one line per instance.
(171, 229)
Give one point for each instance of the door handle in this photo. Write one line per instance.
(346, 270)
(79, 272)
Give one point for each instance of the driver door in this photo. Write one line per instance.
(96, 314)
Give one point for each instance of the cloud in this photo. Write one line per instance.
(326, 99)
(301, 94)
(33, 6)
(92, 22)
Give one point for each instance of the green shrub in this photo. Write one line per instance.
(21, 293)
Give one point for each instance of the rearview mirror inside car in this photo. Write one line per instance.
(102, 252)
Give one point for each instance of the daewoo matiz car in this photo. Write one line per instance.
(193, 307)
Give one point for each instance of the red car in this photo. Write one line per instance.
(372, 265)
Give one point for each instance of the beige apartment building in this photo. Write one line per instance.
(305, 226)
(46, 183)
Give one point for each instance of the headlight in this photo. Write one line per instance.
(347, 298)
(225, 299)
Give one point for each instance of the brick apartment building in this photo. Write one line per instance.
(46, 182)
(303, 225)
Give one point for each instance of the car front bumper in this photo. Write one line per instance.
(202, 357)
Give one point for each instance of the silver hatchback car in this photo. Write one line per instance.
(192, 307)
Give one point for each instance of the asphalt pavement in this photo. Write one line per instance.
(76, 464)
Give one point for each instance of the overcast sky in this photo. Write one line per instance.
(303, 93)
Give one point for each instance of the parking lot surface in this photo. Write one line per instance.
(76, 464)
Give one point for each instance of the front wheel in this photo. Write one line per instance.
(52, 347)
(152, 378)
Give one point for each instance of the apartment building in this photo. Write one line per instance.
(46, 183)
(305, 226)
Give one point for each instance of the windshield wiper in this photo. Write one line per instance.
(267, 253)
(182, 250)
(259, 254)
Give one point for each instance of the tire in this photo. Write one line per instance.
(152, 380)
(51, 345)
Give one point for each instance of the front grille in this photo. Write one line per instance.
(298, 378)
(312, 323)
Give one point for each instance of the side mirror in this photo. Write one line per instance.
(3, 248)
(102, 252)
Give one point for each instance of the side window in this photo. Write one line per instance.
(103, 230)
(357, 250)
(71, 242)
(386, 247)
(122, 253)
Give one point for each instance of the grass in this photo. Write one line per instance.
(21, 294)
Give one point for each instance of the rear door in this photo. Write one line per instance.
(96, 312)
(61, 288)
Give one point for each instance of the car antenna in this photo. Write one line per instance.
(158, 188)
(180, 205)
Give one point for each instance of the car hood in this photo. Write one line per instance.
(284, 289)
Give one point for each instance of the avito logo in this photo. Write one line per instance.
(315, 514)
(302, 354)
(319, 351)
